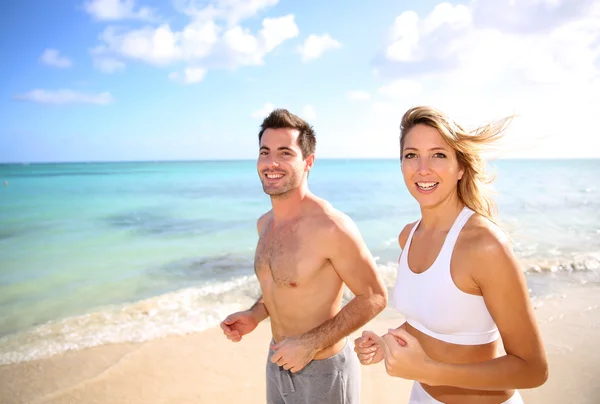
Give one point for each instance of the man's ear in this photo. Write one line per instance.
(310, 161)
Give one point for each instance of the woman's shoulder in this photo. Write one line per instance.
(487, 256)
(482, 237)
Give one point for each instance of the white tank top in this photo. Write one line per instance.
(434, 305)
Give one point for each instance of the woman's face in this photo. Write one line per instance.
(429, 166)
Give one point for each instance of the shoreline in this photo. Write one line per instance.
(205, 367)
(193, 309)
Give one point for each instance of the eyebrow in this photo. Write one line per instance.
(279, 148)
(433, 148)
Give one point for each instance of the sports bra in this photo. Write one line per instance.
(434, 305)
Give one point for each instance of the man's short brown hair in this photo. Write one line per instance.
(282, 118)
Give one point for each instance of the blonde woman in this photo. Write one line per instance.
(459, 284)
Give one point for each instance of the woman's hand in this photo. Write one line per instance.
(403, 354)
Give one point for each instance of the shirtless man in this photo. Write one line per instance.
(306, 252)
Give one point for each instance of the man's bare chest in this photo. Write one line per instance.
(287, 255)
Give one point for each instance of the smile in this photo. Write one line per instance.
(427, 186)
(274, 176)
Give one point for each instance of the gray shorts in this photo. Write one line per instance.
(335, 380)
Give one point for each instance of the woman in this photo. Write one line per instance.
(459, 284)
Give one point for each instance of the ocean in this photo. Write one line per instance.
(100, 253)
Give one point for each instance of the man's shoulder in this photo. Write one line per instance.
(330, 221)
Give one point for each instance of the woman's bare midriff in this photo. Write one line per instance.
(459, 354)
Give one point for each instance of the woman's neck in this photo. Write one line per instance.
(441, 216)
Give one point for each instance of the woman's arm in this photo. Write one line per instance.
(496, 271)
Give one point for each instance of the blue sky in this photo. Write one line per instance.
(104, 80)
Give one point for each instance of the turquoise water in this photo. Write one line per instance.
(112, 252)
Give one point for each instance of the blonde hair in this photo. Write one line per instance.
(469, 147)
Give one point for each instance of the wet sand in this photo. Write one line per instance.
(207, 368)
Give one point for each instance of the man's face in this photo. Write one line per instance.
(280, 165)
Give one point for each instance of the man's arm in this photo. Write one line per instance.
(355, 265)
(241, 323)
(236, 325)
(365, 346)
(259, 310)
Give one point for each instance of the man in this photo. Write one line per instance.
(306, 252)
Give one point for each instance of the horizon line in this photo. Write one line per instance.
(253, 159)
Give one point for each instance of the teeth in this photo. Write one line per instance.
(426, 185)
(274, 176)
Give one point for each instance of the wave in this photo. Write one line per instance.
(583, 264)
(181, 312)
(178, 313)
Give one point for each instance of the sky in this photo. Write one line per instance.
(129, 80)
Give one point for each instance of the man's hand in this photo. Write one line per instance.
(403, 354)
(367, 349)
(293, 354)
(239, 324)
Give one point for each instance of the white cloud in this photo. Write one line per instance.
(489, 59)
(277, 30)
(112, 10)
(445, 14)
(264, 111)
(529, 16)
(191, 75)
(194, 74)
(544, 126)
(358, 95)
(314, 46)
(65, 97)
(239, 47)
(213, 38)
(108, 65)
(242, 46)
(450, 40)
(199, 41)
(404, 37)
(401, 88)
(52, 57)
(231, 11)
(156, 46)
(309, 113)
(411, 37)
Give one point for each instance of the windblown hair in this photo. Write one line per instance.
(469, 147)
(282, 118)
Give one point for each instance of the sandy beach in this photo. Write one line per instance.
(206, 368)
(199, 368)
